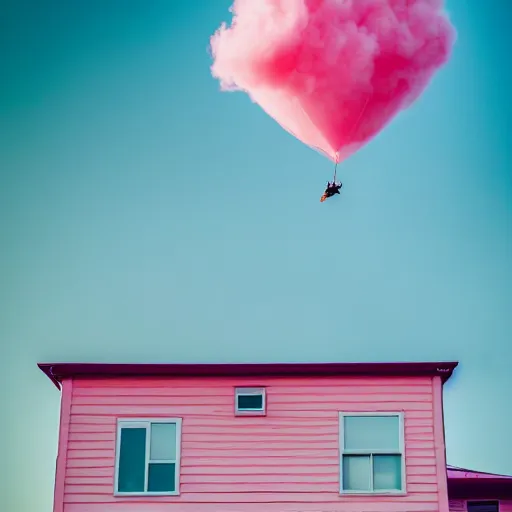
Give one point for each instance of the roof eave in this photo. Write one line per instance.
(47, 369)
(57, 371)
(489, 488)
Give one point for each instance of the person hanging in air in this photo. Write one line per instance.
(332, 189)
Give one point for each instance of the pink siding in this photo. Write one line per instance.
(440, 447)
(460, 505)
(61, 466)
(287, 461)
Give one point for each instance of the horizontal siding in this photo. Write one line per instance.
(287, 460)
(325, 506)
(461, 505)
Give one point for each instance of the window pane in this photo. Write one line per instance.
(161, 477)
(483, 506)
(132, 460)
(250, 401)
(387, 472)
(356, 473)
(163, 441)
(371, 433)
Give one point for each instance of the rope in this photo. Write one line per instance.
(360, 116)
(356, 124)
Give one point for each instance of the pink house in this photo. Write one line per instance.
(332, 437)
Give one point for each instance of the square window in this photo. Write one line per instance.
(371, 433)
(356, 473)
(483, 506)
(387, 472)
(147, 457)
(250, 401)
(372, 454)
(161, 477)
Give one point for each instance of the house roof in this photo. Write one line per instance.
(58, 371)
(470, 474)
(470, 484)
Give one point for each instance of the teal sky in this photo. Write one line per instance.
(147, 217)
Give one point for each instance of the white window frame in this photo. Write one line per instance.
(146, 423)
(400, 451)
(241, 391)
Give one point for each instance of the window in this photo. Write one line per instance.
(148, 456)
(372, 453)
(250, 401)
(483, 506)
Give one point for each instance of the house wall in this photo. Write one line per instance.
(460, 505)
(287, 461)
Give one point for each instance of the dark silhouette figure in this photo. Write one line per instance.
(332, 189)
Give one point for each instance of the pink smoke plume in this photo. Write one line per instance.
(332, 72)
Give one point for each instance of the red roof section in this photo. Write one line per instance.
(58, 371)
(467, 484)
(470, 474)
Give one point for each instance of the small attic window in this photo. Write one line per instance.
(250, 401)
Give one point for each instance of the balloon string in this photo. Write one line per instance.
(356, 124)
